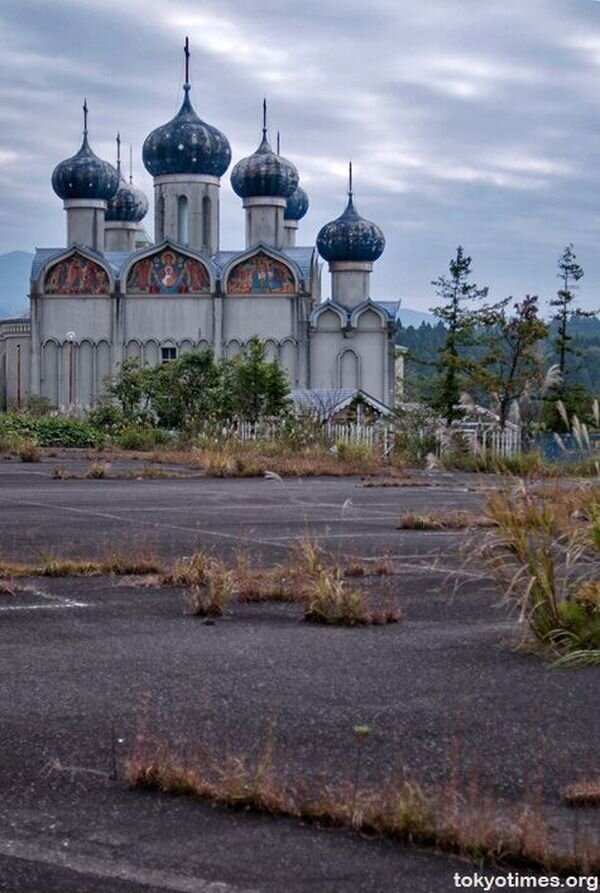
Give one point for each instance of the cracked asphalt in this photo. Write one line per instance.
(83, 659)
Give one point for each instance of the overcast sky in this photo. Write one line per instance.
(473, 122)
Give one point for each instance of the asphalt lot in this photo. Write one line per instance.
(81, 657)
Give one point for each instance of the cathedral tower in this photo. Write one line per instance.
(265, 181)
(85, 183)
(187, 158)
(350, 244)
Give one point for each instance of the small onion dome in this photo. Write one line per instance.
(297, 205)
(129, 204)
(265, 173)
(84, 175)
(186, 145)
(350, 237)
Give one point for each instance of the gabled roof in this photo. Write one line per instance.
(327, 401)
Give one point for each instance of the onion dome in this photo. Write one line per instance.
(350, 237)
(265, 173)
(297, 205)
(129, 204)
(84, 175)
(186, 144)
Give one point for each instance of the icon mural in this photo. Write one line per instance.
(76, 275)
(260, 275)
(168, 273)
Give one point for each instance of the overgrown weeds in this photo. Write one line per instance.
(52, 566)
(446, 818)
(546, 555)
(442, 521)
(211, 597)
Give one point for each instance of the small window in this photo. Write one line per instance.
(167, 354)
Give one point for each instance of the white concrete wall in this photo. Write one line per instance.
(170, 316)
(269, 317)
(15, 354)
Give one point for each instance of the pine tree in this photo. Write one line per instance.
(569, 273)
(456, 294)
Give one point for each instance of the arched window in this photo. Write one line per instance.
(182, 220)
(206, 212)
(160, 218)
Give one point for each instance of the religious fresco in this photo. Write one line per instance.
(76, 275)
(261, 275)
(168, 273)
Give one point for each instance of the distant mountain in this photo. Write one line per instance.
(14, 282)
(410, 317)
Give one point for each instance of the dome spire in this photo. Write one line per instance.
(350, 191)
(119, 154)
(186, 49)
(85, 117)
(130, 164)
(264, 127)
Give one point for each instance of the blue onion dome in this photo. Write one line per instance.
(350, 237)
(129, 204)
(265, 172)
(297, 205)
(84, 175)
(186, 145)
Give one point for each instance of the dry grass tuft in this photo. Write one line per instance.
(211, 597)
(7, 588)
(446, 818)
(442, 521)
(583, 793)
(97, 471)
(29, 451)
(329, 600)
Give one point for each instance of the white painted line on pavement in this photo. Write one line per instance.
(113, 869)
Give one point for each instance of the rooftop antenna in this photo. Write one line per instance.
(131, 164)
(186, 50)
(119, 154)
(85, 117)
(265, 117)
(278, 143)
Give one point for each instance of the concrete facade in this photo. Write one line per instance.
(100, 299)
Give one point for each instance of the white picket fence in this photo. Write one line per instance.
(484, 439)
(481, 438)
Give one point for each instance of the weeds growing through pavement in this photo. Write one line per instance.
(450, 817)
(29, 451)
(546, 555)
(583, 793)
(211, 597)
(442, 521)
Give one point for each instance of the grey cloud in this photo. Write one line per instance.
(467, 122)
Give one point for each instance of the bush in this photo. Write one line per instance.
(137, 437)
(355, 453)
(29, 451)
(53, 431)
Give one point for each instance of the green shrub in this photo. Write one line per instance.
(53, 431)
(105, 416)
(137, 437)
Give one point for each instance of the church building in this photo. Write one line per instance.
(111, 293)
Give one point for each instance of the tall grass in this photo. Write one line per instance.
(546, 555)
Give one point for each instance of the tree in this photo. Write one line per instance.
(186, 391)
(569, 273)
(253, 387)
(456, 293)
(132, 389)
(511, 366)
